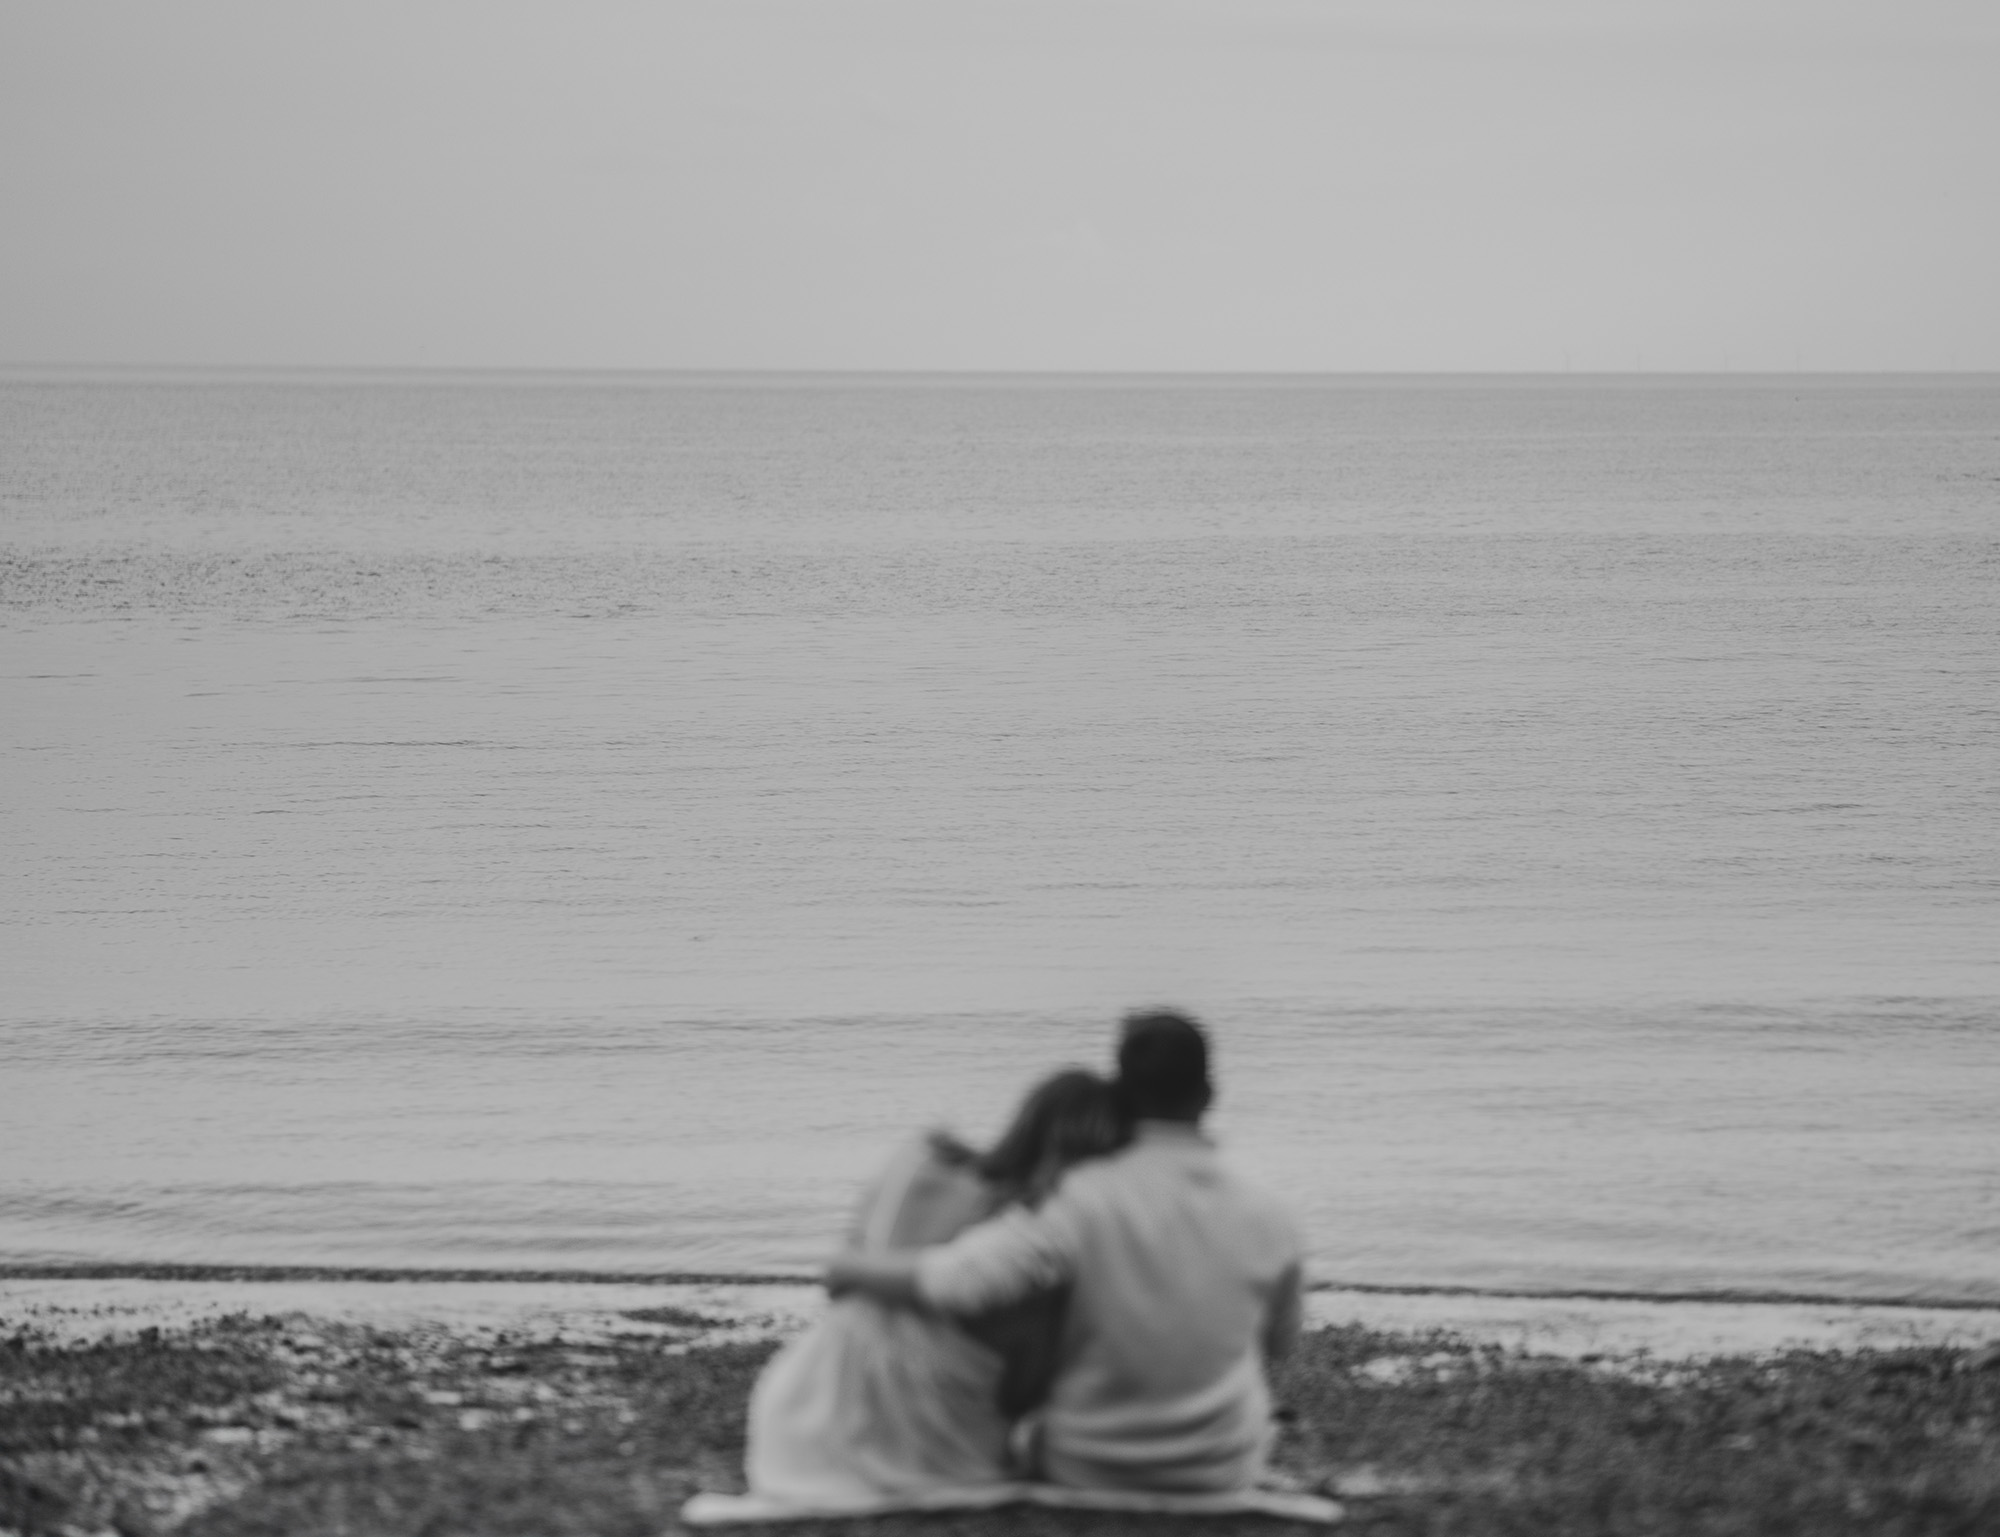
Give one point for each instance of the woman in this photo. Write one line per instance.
(874, 1401)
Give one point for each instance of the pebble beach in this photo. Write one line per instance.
(149, 1406)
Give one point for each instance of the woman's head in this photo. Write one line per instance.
(1066, 1118)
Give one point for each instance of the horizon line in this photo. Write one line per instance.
(434, 370)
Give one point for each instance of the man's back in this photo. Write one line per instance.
(1178, 1269)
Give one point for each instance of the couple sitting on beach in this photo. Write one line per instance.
(1092, 1302)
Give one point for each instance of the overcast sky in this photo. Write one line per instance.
(1003, 184)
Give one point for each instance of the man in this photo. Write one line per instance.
(1184, 1287)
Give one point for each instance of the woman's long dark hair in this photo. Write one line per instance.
(1066, 1118)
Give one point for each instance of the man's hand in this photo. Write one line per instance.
(1285, 1318)
(890, 1278)
(949, 1150)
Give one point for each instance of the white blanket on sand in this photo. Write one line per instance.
(744, 1509)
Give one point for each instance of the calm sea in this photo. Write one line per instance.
(572, 821)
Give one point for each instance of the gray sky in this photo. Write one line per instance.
(1096, 184)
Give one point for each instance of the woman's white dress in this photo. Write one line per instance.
(873, 1400)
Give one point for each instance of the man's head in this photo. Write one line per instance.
(1163, 1067)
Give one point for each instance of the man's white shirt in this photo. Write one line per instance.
(1175, 1267)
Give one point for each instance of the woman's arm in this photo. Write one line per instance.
(887, 1277)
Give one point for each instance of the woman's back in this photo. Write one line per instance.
(874, 1401)
(923, 1197)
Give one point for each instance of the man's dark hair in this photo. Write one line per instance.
(1163, 1067)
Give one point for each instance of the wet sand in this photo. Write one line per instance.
(211, 1408)
(96, 1302)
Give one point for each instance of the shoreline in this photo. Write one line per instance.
(151, 1270)
(82, 1304)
